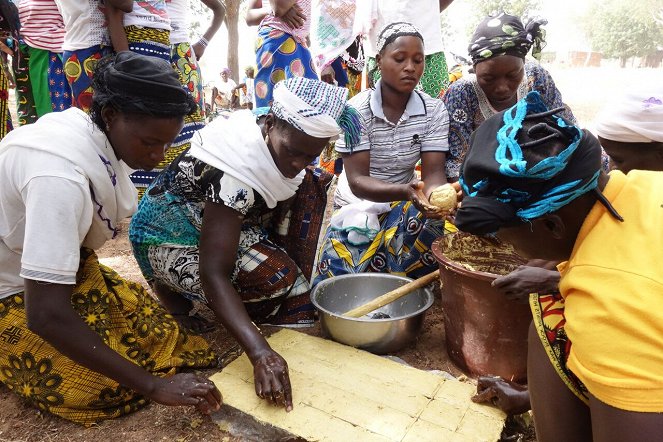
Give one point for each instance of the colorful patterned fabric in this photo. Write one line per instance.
(334, 29)
(149, 41)
(316, 108)
(46, 82)
(505, 34)
(279, 56)
(434, 81)
(153, 43)
(525, 185)
(401, 247)
(5, 115)
(79, 68)
(468, 107)
(185, 63)
(128, 320)
(549, 321)
(165, 234)
(25, 102)
(58, 87)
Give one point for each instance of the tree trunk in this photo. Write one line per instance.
(232, 18)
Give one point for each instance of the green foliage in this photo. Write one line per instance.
(520, 8)
(622, 30)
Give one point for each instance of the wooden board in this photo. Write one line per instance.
(344, 394)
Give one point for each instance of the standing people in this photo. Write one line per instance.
(86, 41)
(43, 87)
(224, 91)
(281, 48)
(247, 97)
(425, 16)
(198, 233)
(385, 222)
(185, 56)
(82, 342)
(9, 36)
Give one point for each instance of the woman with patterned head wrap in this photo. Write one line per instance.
(425, 16)
(79, 341)
(502, 76)
(596, 349)
(384, 222)
(199, 233)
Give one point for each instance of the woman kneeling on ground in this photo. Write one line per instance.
(78, 340)
(384, 222)
(198, 233)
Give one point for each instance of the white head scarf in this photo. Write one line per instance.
(316, 108)
(636, 118)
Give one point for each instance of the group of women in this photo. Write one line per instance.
(233, 222)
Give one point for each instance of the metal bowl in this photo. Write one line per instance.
(337, 295)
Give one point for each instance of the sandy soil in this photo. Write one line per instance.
(583, 90)
(21, 423)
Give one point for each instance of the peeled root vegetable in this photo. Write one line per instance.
(444, 197)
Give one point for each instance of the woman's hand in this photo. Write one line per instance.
(518, 284)
(198, 49)
(508, 396)
(418, 198)
(187, 389)
(294, 17)
(272, 382)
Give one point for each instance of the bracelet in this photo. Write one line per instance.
(203, 41)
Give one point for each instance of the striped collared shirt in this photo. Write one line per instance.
(395, 149)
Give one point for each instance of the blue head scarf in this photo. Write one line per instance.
(523, 163)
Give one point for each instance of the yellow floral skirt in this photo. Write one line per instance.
(129, 321)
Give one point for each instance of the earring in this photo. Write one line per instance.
(267, 139)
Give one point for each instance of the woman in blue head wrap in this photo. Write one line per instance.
(596, 347)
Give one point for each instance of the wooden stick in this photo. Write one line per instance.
(392, 296)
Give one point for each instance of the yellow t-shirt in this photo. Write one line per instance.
(613, 290)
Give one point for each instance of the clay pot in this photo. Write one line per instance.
(486, 334)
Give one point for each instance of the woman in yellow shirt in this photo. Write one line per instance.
(537, 182)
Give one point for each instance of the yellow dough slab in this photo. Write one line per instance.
(344, 394)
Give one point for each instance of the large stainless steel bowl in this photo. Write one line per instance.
(339, 294)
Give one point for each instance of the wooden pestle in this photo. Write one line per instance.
(392, 296)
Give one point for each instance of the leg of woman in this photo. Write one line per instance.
(38, 74)
(79, 67)
(5, 115)
(176, 282)
(184, 61)
(612, 424)
(435, 80)
(25, 102)
(558, 414)
(273, 288)
(59, 90)
(279, 56)
(129, 321)
(153, 43)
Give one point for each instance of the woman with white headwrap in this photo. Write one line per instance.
(198, 234)
(631, 130)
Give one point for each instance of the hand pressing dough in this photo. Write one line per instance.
(444, 197)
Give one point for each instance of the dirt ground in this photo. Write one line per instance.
(584, 91)
(156, 422)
